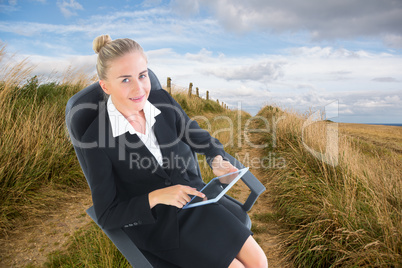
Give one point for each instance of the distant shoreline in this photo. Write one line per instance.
(376, 124)
(395, 125)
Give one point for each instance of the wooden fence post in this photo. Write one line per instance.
(169, 87)
(207, 95)
(197, 92)
(190, 88)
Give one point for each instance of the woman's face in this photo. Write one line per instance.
(128, 83)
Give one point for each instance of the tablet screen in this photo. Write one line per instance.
(216, 188)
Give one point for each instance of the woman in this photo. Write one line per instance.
(140, 176)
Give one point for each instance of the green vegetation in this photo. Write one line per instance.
(195, 105)
(35, 151)
(347, 215)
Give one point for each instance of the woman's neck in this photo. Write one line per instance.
(138, 121)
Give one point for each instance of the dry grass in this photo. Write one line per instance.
(375, 138)
(345, 213)
(35, 150)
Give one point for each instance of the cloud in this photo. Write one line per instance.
(393, 40)
(323, 20)
(385, 105)
(35, 28)
(326, 52)
(150, 3)
(185, 8)
(155, 27)
(68, 8)
(295, 82)
(190, 50)
(52, 68)
(203, 56)
(313, 78)
(385, 79)
(8, 8)
(264, 71)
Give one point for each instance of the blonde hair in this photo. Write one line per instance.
(108, 50)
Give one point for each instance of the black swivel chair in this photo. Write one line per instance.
(81, 110)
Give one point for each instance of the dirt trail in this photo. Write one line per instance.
(30, 244)
(267, 234)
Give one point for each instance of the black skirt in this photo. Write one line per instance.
(210, 236)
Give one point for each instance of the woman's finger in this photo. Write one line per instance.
(193, 191)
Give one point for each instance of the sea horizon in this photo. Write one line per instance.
(385, 124)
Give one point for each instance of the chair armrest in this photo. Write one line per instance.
(127, 247)
(256, 187)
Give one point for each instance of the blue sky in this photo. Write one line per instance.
(298, 54)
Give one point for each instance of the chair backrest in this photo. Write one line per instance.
(82, 109)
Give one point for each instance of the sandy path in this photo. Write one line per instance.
(266, 233)
(30, 244)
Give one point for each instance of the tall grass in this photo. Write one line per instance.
(35, 151)
(345, 215)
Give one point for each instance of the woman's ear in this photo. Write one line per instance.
(103, 85)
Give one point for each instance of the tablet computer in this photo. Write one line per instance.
(216, 188)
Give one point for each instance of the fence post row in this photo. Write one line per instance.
(190, 89)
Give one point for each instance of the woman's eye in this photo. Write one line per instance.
(126, 80)
(142, 76)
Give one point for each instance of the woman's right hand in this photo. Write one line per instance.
(177, 195)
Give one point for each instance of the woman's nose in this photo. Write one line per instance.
(136, 86)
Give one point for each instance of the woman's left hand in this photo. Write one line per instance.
(221, 167)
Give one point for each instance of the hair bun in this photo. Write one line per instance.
(100, 41)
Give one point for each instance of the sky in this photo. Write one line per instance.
(301, 55)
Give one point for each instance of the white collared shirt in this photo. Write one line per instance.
(120, 125)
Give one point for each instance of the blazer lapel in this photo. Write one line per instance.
(133, 144)
(166, 142)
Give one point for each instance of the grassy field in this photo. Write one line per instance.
(344, 214)
(36, 156)
(347, 214)
(375, 138)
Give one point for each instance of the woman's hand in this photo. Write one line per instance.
(221, 167)
(177, 195)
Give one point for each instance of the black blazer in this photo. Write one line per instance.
(122, 172)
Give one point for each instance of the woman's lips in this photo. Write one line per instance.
(138, 99)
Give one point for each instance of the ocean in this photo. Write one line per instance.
(397, 125)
